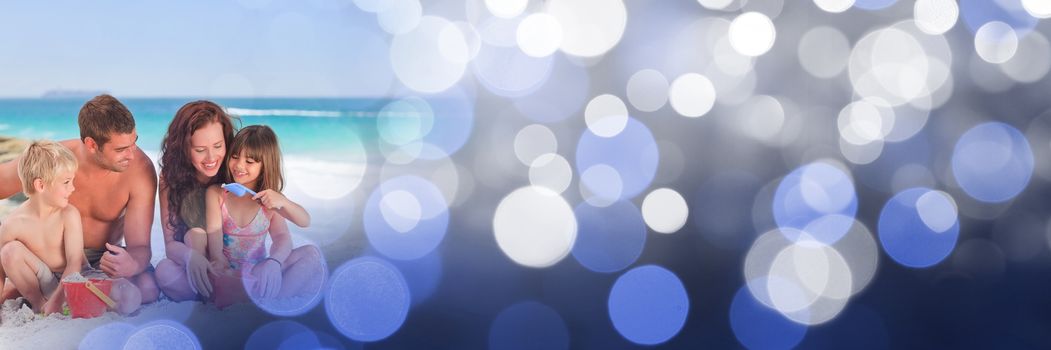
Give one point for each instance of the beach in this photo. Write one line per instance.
(230, 327)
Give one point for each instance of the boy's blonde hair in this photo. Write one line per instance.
(44, 160)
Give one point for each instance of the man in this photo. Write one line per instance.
(116, 187)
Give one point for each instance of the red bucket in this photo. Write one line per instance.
(82, 302)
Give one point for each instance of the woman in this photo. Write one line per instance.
(192, 155)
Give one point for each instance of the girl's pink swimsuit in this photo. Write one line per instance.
(244, 246)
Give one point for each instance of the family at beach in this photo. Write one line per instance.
(91, 203)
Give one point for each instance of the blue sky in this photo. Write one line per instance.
(192, 48)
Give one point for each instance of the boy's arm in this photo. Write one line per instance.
(73, 241)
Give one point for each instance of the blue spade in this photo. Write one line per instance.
(238, 189)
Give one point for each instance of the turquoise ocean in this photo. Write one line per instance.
(321, 128)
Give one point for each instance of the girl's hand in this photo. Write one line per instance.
(268, 273)
(271, 199)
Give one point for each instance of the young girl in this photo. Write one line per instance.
(237, 226)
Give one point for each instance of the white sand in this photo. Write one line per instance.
(21, 329)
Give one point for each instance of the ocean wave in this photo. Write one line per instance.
(284, 112)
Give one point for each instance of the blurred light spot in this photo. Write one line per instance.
(899, 64)
(437, 73)
(992, 162)
(162, 334)
(648, 90)
(692, 95)
(404, 121)
(551, 171)
(562, 95)
(528, 325)
(1037, 8)
(834, 6)
(273, 334)
(937, 210)
(761, 118)
(752, 34)
(604, 182)
(533, 141)
(809, 282)
(310, 293)
(909, 119)
(760, 258)
(400, 16)
(632, 154)
(372, 5)
(401, 210)
(977, 13)
(591, 27)
(506, 8)
(648, 305)
(610, 238)
(606, 115)
(936, 17)
(811, 192)
(729, 61)
(508, 72)
(996, 42)
(455, 108)
(664, 210)
(534, 227)
(907, 238)
(865, 121)
(458, 43)
(824, 52)
(873, 4)
(539, 35)
(416, 223)
(757, 326)
(861, 154)
(367, 299)
(1032, 60)
(857, 247)
(499, 32)
(1039, 135)
(715, 4)
(106, 336)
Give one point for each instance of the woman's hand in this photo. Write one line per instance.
(271, 199)
(197, 268)
(268, 275)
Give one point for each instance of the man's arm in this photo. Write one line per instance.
(9, 182)
(138, 217)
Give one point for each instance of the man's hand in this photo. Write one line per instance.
(117, 263)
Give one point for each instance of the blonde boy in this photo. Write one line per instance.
(41, 241)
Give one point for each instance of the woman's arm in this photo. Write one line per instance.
(214, 224)
(175, 250)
